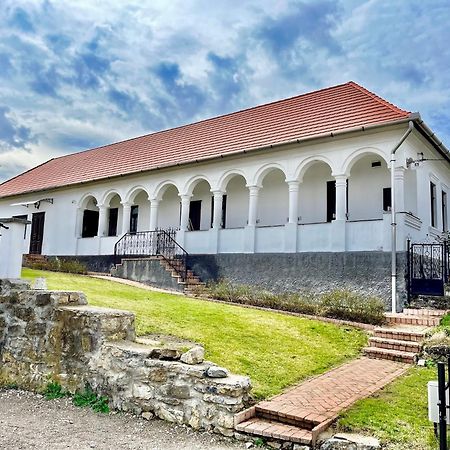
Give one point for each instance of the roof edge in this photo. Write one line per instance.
(329, 134)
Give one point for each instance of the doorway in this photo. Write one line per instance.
(331, 200)
(195, 215)
(37, 233)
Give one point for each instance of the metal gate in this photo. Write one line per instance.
(427, 268)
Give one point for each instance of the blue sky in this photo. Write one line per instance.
(74, 75)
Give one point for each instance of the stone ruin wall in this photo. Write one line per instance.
(55, 336)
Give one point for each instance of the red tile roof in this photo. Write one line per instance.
(333, 109)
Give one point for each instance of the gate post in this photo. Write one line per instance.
(11, 246)
(408, 269)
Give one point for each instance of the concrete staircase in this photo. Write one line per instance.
(175, 267)
(401, 340)
(174, 270)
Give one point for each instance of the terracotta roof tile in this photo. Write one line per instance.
(337, 108)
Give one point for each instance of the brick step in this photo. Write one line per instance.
(399, 334)
(395, 344)
(190, 278)
(406, 319)
(275, 430)
(302, 418)
(391, 355)
(425, 312)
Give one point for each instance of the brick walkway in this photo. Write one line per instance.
(322, 397)
(303, 412)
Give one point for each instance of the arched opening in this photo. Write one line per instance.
(114, 213)
(90, 217)
(273, 205)
(169, 208)
(201, 207)
(235, 203)
(369, 191)
(140, 211)
(317, 198)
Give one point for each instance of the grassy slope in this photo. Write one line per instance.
(273, 349)
(398, 414)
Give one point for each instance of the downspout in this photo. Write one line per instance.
(393, 220)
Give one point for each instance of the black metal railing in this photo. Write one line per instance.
(153, 243)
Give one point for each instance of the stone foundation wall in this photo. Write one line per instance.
(93, 263)
(147, 271)
(364, 272)
(55, 336)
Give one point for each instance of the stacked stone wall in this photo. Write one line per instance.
(56, 336)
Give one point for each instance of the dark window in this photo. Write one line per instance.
(376, 164)
(224, 211)
(433, 203)
(112, 223)
(331, 200)
(90, 223)
(23, 217)
(387, 199)
(444, 211)
(195, 215)
(134, 218)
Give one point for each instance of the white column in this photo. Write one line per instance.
(102, 219)
(126, 215)
(290, 228)
(341, 197)
(253, 205)
(79, 222)
(185, 205)
(154, 207)
(217, 213)
(293, 201)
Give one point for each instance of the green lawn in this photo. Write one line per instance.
(398, 414)
(275, 350)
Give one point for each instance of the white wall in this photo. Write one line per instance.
(202, 192)
(237, 203)
(169, 209)
(142, 201)
(411, 192)
(365, 189)
(273, 206)
(313, 194)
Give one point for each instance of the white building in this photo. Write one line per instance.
(295, 177)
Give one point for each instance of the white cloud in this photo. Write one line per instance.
(62, 73)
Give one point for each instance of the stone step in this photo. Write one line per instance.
(399, 334)
(407, 319)
(112, 324)
(391, 355)
(425, 312)
(275, 430)
(395, 344)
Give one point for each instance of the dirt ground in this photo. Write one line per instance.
(29, 421)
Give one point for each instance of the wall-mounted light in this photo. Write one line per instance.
(415, 162)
